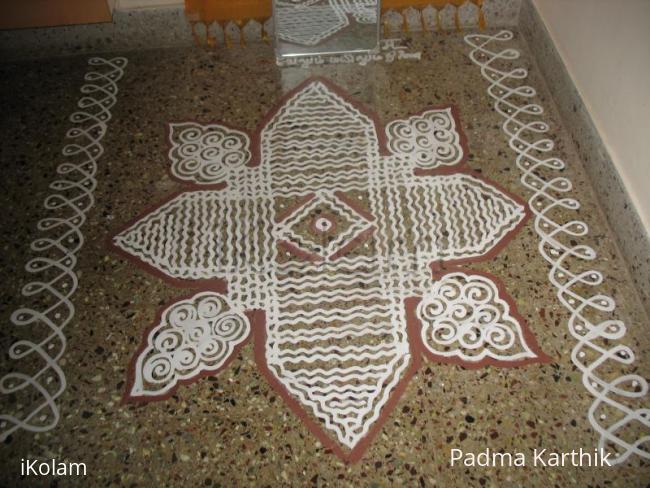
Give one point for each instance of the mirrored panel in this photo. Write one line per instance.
(311, 27)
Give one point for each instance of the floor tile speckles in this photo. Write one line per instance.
(234, 428)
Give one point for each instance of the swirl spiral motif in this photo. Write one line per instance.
(615, 414)
(193, 336)
(464, 317)
(430, 140)
(336, 338)
(204, 154)
(55, 279)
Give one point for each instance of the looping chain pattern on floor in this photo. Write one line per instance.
(622, 427)
(38, 376)
(321, 245)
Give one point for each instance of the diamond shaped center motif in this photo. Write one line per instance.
(323, 234)
(323, 226)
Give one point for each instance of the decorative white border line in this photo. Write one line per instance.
(55, 280)
(523, 127)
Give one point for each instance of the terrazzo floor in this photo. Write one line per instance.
(234, 429)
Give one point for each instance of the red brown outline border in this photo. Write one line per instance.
(353, 205)
(353, 243)
(130, 374)
(414, 326)
(288, 212)
(349, 456)
(436, 265)
(220, 285)
(257, 318)
(291, 248)
(459, 167)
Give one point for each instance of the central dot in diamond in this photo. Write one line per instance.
(323, 224)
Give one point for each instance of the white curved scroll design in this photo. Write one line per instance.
(194, 336)
(623, 429)
(336, 337)
(38, 374)
(463, 316)
(430, 139)
(206, 154)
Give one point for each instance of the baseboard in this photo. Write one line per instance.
(632, 237)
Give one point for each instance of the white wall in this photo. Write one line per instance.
(605, 45)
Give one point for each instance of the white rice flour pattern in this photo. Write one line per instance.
(431, 139)
(37, 375)
(194, 336)
(310, 22)
(461, 313)
(617, 413)
(325, 238)
(205, 154)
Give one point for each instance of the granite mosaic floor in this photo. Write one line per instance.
(234, 428)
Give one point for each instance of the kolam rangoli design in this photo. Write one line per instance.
(204, 154)
(193, 336)
(469, 320)
(328, 246)
(430, 139)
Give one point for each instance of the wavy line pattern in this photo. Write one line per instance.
(281, 143)
(336, 331)
(55, 279)
(623, 429)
